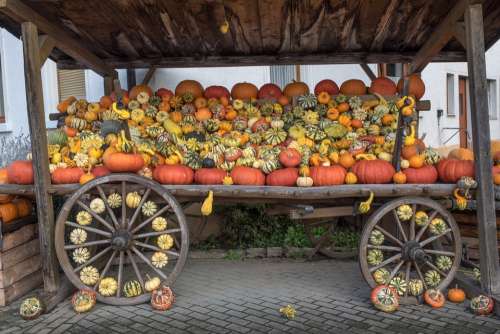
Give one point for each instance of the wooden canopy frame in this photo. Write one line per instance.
(41, 37)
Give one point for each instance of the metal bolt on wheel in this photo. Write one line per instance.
(118, 239)
(409, 248)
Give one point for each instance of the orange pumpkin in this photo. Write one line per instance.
(290, 157)
(203, 114)
(189, 86)
(411, 150)
(461, 154)
(286, 177)
(4, 198)
(373, 171)
(332, 114)
(417, 86)
(283, 100)
(24, 207)
(416, 161)
(248, 176)
(356, 124)
(99, 171)
(164, 106)
(176, 116)
(269, 91)
(353, 87)
(200, 102)
(343, 107)
(70, 132)
(63, 105)
(451, 170)
(136, 90)
(328, 175)
(66, 175)
(456, 295)
(424, 175)
(164, 93)
(295, 88)
(231, 114)
(345, 120)
(120, 162)
(346, 160)
(244, 91)
(209, 176)
(324, 98)
(8, 212)
(327, 86)
(496, 179)
(399, 178)
(434, 298)
(383, 86)
(20, 172)
(387, 119)
(216, 92)
(173, 174)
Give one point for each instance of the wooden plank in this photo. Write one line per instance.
(36, 120)
(108, 85)
(13, 274)
(131, 80)
(339, 57)
(19, 12)
(20, 288)
(476, 62)
(19, 254)
(439, 38)
(398, 146)
(368, 71)
(18, 237)
(47, 44)
(459, 33)
(340, 211)
(384, 25)
(149, 74)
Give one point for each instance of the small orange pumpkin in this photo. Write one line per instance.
(387, 119)
(345, 120)
(324, 98)
(332, 114)
(456, 295)
(434, 298)
(200, 102)
(417, 161)
(176, 116)
(203, 114)
(399, 178)
(8, 212)
(24, 207)
(346, 160)
(343, 107)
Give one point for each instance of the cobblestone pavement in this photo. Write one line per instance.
(221, 296)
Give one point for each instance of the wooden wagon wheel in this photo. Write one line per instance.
(124, 235)
(414, 239)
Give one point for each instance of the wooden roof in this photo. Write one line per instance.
(180, 33)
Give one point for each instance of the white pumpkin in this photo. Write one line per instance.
(152, 284)
(159, 259)
(97, 205)
(81, 255)
(114, 200)
(78, 236)
(108, 286)
(83, 218)
(133, 199)
(89, 275)
(304, 181)
(149, 208)
(159, 224)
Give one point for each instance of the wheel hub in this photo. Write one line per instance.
(412, 251)
(121, 240)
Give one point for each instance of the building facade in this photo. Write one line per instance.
(446, 88)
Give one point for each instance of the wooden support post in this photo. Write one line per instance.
(47, 44)
(149, 75)
(131, 80)
(36, 120)
(398, 145)
(108, 85)
(368, 71)
(490, 272)
(459, 34)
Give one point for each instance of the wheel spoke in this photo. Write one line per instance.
(93, 259)
(385, 248)
(89, 229)
(95, 215)
(108, 208)
(407, 275)
(430, 264)
(398, 222)
(124, 204)
(419, 273)
(435, 237)
(148, 262)
(106, 268)
(412, 221)
(158, 249)
(136, 269)
(384, 263)
(120, 274)
(155, 234)
(150, 219)
(138, 209)
(388, 235)
(439, 252)
(424, 228)
(395, 270)
(88, 244)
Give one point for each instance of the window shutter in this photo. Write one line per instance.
(281, 75)
(71, 83)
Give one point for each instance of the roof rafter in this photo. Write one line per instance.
(20, 13)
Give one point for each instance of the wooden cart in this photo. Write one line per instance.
(367, 29)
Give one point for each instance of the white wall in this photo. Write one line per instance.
(14, 92)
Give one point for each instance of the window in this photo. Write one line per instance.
(281, 75)
(394, 70)
(492, 99)
(71, 83)
(2, 110)
(450, 94)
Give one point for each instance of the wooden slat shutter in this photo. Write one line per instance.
(71, 83)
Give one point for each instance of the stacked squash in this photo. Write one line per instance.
(243, 136)
(12, 208)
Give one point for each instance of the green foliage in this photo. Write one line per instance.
(296, 237)
(233, 255)
(341, 237)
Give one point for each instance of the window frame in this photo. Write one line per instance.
(451, 110)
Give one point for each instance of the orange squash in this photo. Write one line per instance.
(24, 207)
(295, 88)
(203, 114)
(189, 86)
(353, 87)
(4, 198)
(456, 295)
(461, 154)
(173, 174)
(209, 176)
(8, 212)
(343, 107)
(248, 176)
(451, 170)
(383, 86)
(333, 114)
(136, 90)
(346, 160)
(399, 178)
(416, 161)
(66, 175)
(119, 162)
(244, 91)
(328, 175)
(417, 86)
(20, 172)
(327, 86)
(63, 105)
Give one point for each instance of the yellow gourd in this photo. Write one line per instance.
(460, 200)
(410, 140)
(365, 206)
(206, 207)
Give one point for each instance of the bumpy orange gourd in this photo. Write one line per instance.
(8, 212)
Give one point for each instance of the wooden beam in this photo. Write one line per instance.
(108, 85)
(131, 79)
(398, 145)
(47, 44)
(439, 38)
(20, 12)
(347, 57)
(149, 75)
(36, 120)
(459, 33)
(476, 62)
(368, 71)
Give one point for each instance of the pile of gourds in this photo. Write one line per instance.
(12, 207)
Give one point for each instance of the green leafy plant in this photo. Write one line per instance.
(296, 237)
(233, 255)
